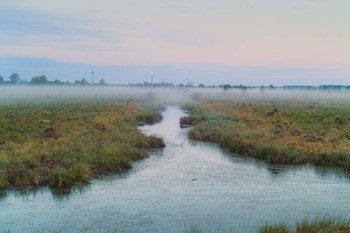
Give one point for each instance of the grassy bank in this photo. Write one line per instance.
(278, 132)
(318, 225)
(64, 144)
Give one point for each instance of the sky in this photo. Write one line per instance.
(270, 41)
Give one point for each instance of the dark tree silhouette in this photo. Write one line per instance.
(41, 79)
(14, 78)
(102, 82)
(226, 87)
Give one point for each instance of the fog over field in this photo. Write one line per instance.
(168, 95)
(175, 116)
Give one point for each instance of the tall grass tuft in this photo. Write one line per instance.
(279, 228)
(324, 224)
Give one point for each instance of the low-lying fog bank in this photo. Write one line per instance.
(169, 95)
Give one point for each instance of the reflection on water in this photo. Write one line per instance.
(187, 184)
(2, 194)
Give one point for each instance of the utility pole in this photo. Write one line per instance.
(92, 77)
(152, 83)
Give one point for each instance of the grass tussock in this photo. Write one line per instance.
(279, 228)
(278, 132)
(325, 224)
(65, 144)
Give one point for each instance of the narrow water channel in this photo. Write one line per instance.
(188, 184)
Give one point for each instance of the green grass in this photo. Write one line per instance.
(317, 225)
(60, 145)
(279, 228)
(279, 132)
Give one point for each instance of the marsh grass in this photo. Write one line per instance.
(279, 132)
(60, 145)
(324, 224)
(318, 225)
(279, 228)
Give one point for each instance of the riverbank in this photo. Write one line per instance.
(285, 132)
(60, 145)
(317, 225)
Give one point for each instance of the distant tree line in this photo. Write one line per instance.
(299, 87)
(13, 79)
(43, 80)
(148, 84)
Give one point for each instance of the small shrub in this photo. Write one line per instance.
(156, 142)
(189, 120)
(339, 120)
(295, 132)
(278, 129)
(50, 133)
(149, 117)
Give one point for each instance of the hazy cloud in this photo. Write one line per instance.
(311, 34)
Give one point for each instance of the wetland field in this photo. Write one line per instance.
(173, 159)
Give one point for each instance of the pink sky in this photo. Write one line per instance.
(275, 34)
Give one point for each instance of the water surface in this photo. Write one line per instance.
(186, 184)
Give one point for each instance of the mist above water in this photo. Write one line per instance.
(169, 95)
